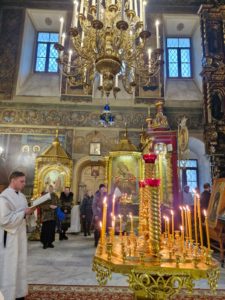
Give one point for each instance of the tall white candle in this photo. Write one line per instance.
(136, 7)
(69, 60)
(93, 2)
(157, 34)
(144, 16)
(61, 29)
(131, 5)
(116, 80)
(149, 54)
(81, 6)
(75, 5)
(113, 2)
(101, 80)
(63, 38)
(141, 10)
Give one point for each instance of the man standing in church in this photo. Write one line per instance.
(13, 239)
(66, 199)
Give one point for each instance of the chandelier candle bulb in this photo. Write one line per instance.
(200, 220)
(141, 10)
(81, 7)
(122, 10)
(136, 7)
(93, 3)
(207, 229)
(61, 29)
(69, 59)
(195, 218)
(63, 38)
(144, 15)
(116, 80)
(157, 34)
(113, 2)
(101, 80)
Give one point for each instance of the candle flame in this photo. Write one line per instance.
(100, 224)
(205, 213)
(181, 208)
(181, 228)
(172, 213)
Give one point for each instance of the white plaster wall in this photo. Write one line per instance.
(197, 151)
(182, 90)
(197, 57)
(27, 51)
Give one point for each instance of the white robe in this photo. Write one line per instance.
(13, 258)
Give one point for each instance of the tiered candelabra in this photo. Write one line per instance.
(158, 264)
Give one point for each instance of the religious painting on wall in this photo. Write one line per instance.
(124, 173)
(217, 201)
(54, 178)
(18, 152)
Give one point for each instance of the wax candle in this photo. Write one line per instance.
(121, 230)
(195, 218)
(157, 34)
(189, 222)
(182, 216)
(116, 80)
(81, 6)
(113, 206)
(100, 224)
(141, 10)
(172, 222)
(185, 221)
(144, 16)
(104, 218)
(131, 223)
(75, 19)
(61, 29)
(207, 229)
(200, 220)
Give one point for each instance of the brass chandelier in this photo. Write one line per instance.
(110, 42)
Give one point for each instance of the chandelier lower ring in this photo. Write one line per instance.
(108, 64)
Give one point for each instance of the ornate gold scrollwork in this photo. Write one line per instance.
(103, 273)
(159, 285)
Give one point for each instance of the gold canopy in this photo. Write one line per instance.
(125, 144)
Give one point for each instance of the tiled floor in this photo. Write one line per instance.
(70, 263)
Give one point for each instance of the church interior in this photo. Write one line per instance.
(130, 94)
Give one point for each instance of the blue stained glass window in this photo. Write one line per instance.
(189, 173)
(46, 54)
(179, 57)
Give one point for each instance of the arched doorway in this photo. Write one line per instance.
(88, 174)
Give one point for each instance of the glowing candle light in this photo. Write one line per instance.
(131, 5)
(81, 6)
(200, 220)
(157, 34)
(168, 226)
(172, 222)
(207, 229)
(182, 236)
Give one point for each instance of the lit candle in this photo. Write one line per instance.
(149, 54)
(189, 222)
(69, 60)
(81, 7)
(120, 217)
(75, 5)
(157, 34)
(63, 38)
(61, 29)
(182, 236)
(104, 218)
(172, 218)
(93, 2)
(185, 221)
(116, 80)
(182, 216)
(113, 206)
(207, 229)
(200, 220)
(113, 2)
(131, 223)
(100, 224)
(168, 226)
(195, 218)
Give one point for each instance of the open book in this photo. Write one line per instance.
(41, 200)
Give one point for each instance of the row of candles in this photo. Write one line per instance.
(186, 221)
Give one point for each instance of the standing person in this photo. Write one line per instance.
(49, 220)
(13, 239)
(187, 197)
(205, 196)
(97, 211)
(66, 199)
(86, 212)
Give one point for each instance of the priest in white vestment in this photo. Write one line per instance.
(13, 239)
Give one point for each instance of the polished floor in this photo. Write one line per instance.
(70, 263)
